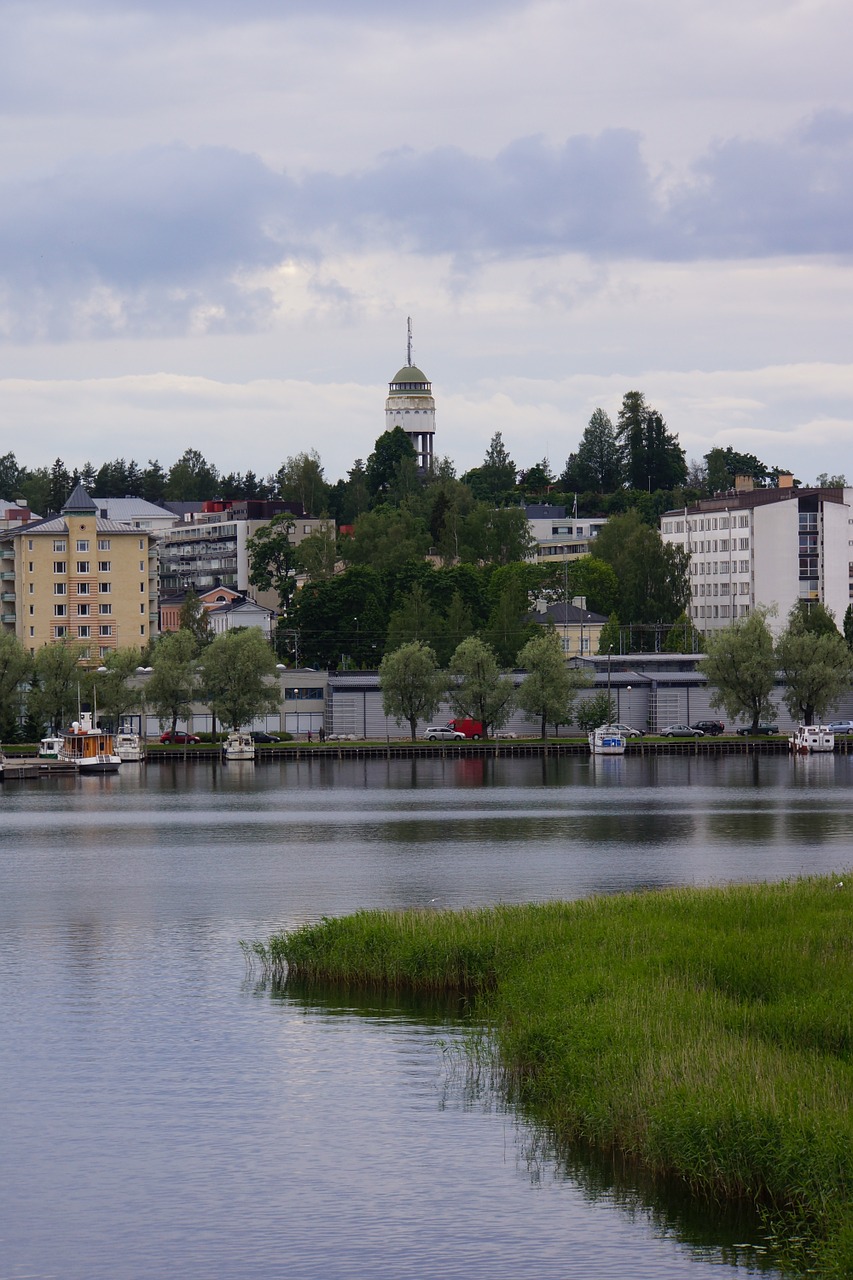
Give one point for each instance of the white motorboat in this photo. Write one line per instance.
(607, 740)
(810, 739)
(50, 747)
(128, 747)
(90, 750)
(238, 746)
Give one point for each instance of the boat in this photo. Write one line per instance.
(90, 750)
(810, 739)
(238, 746)
(128, 746)
(607, 740)
(50, 747)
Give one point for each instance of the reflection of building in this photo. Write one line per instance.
(764, 547)
(210, 549)
(411, 406)
(560, 537)
(80, 578)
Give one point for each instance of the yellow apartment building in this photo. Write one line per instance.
(82, 579)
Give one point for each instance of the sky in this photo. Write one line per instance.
(216, 216)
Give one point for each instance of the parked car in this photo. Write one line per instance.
(259, 735)
(505, 735)
(442, 731)
(712, 727)
(763, 730)
(627, 730)
(841, 726)
(179, 738)
(681, 731)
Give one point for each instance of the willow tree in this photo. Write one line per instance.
(235, 672)
(740, 665)
(477, 688)
(412, 685)
(550, 688)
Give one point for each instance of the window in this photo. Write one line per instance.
(142, 629)
(141, 566)
(142, 586)
(103, 544)
(58, 588)
(32, 631)
(84, 632)
(83, 610)
(744, 611)
(104, 566)
(82, 544)
(105, 630)
(29, 544)
(105, 588)
(142, 608)
(743, 566)
(59, 566)
(744, 544)
(724, 522)
(141, 544)
(725, 567)
(32, 588)
(743, 522)
(103, 651)
(82, 566)
(31, 566)
(32, 609)
(59, 610)
(724, 588)
(59, 544)
(743, 587)
(724, 544)
(82, 588)
(59, 632)
(105, 608)
(724, 610)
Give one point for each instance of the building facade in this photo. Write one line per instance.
(77, 577)
(560, 537)
(765, 547)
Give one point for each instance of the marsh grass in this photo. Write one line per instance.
(705, 1034)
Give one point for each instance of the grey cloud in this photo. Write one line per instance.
(162, 240)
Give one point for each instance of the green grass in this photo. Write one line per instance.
(705, 1034)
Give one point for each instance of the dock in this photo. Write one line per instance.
(13, 768)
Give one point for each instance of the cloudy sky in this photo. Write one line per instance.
(216, 215)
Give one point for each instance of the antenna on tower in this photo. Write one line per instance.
(409, 344)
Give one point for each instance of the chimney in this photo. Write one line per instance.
(744, 484)
(785, 481)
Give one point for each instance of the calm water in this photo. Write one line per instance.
(164, 1115)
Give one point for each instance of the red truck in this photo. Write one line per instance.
(471, 728)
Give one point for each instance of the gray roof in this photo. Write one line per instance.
(544, 511)
(130, 509)
(79, 500)
(566, 614)
(59, 525)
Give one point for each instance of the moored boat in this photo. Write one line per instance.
(607, 740)
(238, 746)
(50, 747)
(90, 750)
(128, 747)
(810, 739)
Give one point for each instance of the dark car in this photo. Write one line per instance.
(713, 727)
(763, 730)
(179, 738)
(258, 735)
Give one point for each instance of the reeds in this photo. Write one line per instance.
(705, 1033)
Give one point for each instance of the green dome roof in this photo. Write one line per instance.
(409, 374)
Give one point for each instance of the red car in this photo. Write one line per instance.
(180, 738)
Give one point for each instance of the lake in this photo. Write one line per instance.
(167, 1114)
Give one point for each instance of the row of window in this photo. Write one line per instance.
(707, 568)
(721, 589)
(83, 633)
(707, 524)
(81, 544)
(82, 610)
(720, 611)
(310, 691)
(83, 566)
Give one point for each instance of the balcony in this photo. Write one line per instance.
(8, 618)
(7, 576)
(8, 597)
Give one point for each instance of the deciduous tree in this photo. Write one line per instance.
(549, 689)
(477, 689)
(172, 685)
(652, 576)
(816, 663)
(412, 685)
(112, 690)
(235, 672)
(740, 664)
(15, 667)
(55, 690)
(272, 558)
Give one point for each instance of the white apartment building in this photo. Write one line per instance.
(765, 547)
(558, 536)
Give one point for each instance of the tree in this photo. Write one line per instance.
(300, 479)
(549, 689)
(412, 685)
(55, 690)
(234, 677)
(651, 455)
(598, 464)
(478, 690)
(413, 620)
(112, 692)
(741, 667)
(60, 485)
(10, 476)
(272, 558)
(817, 666)
(36, 489)
(652, 576)
(391, 448)
(683, 637)
(509, 625)
(345, 617)
(172, 684)
(194, 618)
(496, 535)
(496, 477)
(723, 465)
(191, 478)
(15, 667)
(610, 636)
(154, 481)
(538, 479)
(824, 481)
(317, 553)
(456, 626)
(848, 626)
(595, 711)
(386, 538)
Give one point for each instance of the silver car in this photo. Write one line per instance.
(681, 731)
(442, 731)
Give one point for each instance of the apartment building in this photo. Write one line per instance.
(767, 547)
(79, 577)
(559, 536)
(210, 548)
